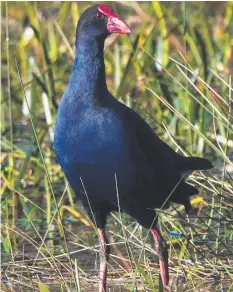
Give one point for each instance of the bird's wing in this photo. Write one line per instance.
(158, 153)
(162, 157)
(168, 165)
(165, 162)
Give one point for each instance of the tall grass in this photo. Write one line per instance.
(175, 69)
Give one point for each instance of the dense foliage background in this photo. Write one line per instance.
(175, 69)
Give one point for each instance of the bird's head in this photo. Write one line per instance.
(99, 21)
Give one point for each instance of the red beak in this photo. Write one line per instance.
(115, 23)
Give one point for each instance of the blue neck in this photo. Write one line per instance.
(88, 81)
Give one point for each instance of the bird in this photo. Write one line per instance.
(113, 160)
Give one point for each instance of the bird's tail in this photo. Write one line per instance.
(194, 163)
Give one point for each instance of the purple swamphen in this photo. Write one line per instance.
(104, 146)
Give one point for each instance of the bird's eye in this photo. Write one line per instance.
(99, 15)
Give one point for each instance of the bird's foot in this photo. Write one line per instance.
(104, 256)
(161, 250)
(103, 277)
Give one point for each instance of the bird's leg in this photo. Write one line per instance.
(161, 250)
(104, 255)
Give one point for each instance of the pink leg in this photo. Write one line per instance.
(104, 253)
(161, 249)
